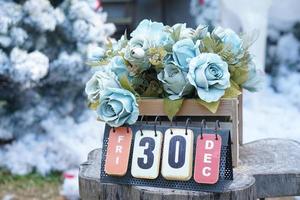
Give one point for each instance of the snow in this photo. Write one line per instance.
(32, 66)
(64, 147)
(268, 114)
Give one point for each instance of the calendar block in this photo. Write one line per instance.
(146, 154)
(118, 149)
(177, 154)
(207, 159)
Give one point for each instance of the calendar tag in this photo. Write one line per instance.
(118, 149)
(146, 154)
(177, 154)
(207, 159)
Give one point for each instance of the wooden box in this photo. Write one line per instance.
(230, 108)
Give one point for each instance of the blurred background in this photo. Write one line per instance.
(46, 129)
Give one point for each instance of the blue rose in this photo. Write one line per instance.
(182, 31)
(118, 66)
(174, 81)
(154, 33)
(183, 51)
(230, 38)
(147, 35)
(117, 107)
(209, 74)
(100, 81)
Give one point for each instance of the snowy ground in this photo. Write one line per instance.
(268, 114)
(64, 147)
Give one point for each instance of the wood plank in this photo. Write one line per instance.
(154, 107)
(240, 119)
(235, 134)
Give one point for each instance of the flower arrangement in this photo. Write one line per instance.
(173, 63)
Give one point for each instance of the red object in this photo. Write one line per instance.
(207, 160)
(201, 2)
(98, 4)
(118, 149)
(68, 176)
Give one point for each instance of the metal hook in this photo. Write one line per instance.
(188, 120)
(155, 122)
(217, 127)
(171, 127)
(203, 125)
(141, 125)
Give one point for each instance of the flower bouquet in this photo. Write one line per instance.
(173, 63)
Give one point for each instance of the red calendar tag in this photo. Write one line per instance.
(207, 160)
(118, 149)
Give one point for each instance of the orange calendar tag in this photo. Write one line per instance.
(207, 160)
(118, 149)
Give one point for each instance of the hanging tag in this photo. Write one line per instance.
(177, 154)
(146, 154)
(118, 149)
(207, 159)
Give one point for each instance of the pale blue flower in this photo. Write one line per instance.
(182, 31)
(118, 107)
(153, 32)
(183, 51)
(100, 81)
(174, 81)
(230, 38)
(209, 74)
(147, 35)
(118, 66)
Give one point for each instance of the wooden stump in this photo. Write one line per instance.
(91, 188)
(275, 164)
(269, 168)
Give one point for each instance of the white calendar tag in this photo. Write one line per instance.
(146, 154)
(177, 154)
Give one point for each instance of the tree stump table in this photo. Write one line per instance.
(268, 168)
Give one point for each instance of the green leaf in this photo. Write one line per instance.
(102, 62)
(239, 75)
(212, 106)
(176, 33)
(171, 107)
(93, 105)
(127, 85)
(233, 91)
(156, 55)
(153, 90)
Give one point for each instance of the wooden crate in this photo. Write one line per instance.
(231, 108)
